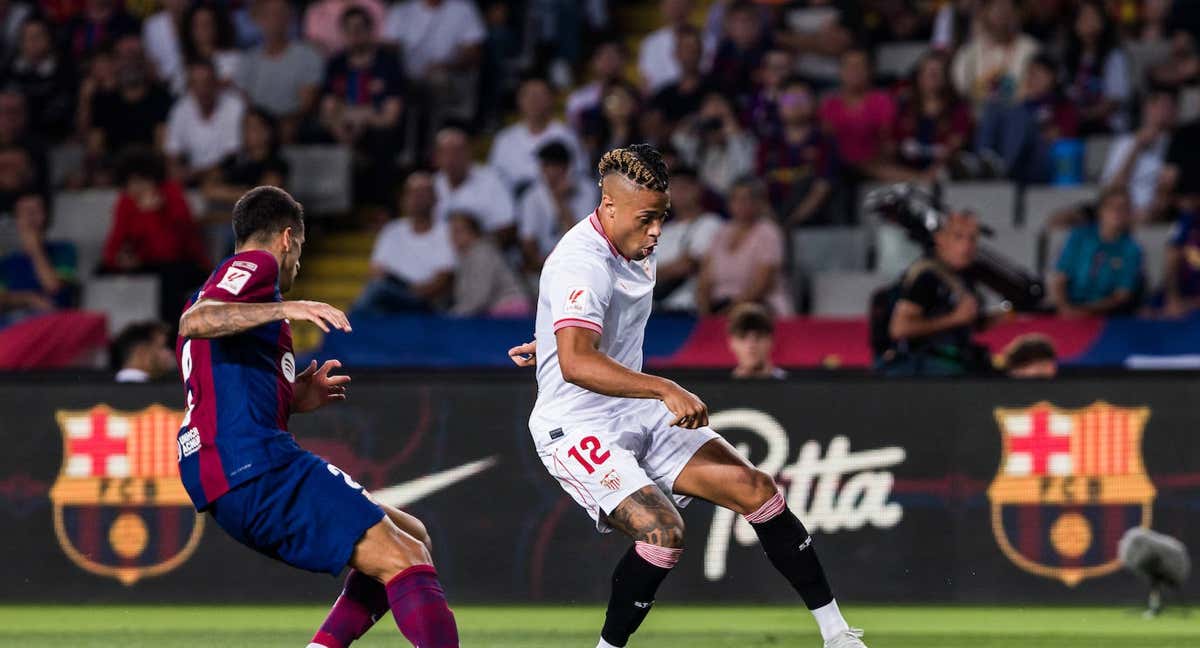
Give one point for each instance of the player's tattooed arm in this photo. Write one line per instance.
(209, 318)
(647, 515)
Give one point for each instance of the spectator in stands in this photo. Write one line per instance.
(607, 66)
(1149, 46)
(714, 142)
(17, 175)
(204, 126)
(462, 185)
(323, 22)
(101, 23)
(47, 81)
(1135, 161)
(656, 63)
(859, 118)
(1099, 271)
(412, 265)
(1020, 136)
(256, 163)
(615, 124)
(484, 283)
(40, 275)
(164, 45)
(740, 53)
(937, 308)
(684, 243)
(142, 353)
(751, 332)
(441, 42)
(933, 125)
(745, 261)
(762, 114)
(820, 32)
(992, 65)
(682, 97)
(208, 34)
(895, 21)
(15, 133)
(799, 164)
(514, 150)
(362, 103)
(1031, 356)
(1098, 71)
(282, 76)
(554, 204)
(133, 113)
(153, 232)
(1181, 273)
(13, 14)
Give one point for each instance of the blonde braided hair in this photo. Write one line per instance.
(642, 164)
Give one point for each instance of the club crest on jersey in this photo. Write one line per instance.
(611, 480)
(1070, 482)
(576, 301)
(120, 509)
(234, 280)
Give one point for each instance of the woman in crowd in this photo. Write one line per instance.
(1097, 72)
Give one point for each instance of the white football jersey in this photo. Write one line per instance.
(587, 282)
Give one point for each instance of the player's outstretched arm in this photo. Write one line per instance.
(209, 318)
(584, 365)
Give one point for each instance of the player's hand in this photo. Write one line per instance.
(315, 388)
(323, 315)
(690, 412)
(524, 355)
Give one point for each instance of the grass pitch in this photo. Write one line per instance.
(669, 626)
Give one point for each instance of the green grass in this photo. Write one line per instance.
(670, 626)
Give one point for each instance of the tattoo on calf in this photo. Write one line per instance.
(648, 515)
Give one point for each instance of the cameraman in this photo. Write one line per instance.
(938, 308)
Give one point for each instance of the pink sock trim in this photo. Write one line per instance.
(769, 510)
(663, 557)
(327, 640)
(415, 569)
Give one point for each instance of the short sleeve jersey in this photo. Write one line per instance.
(588, 283)
(238, 387)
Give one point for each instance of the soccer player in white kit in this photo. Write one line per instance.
(630, 447)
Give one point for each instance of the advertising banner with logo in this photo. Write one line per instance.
(963, 491)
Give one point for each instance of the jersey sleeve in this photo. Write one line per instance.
(579, 296)
(247, 277)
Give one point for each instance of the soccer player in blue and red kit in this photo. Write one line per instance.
(238, 461)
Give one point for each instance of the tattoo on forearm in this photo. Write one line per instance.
(218, 319)
(648, 515)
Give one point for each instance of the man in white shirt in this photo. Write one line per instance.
(435, 35)
(514, 151)
(283, 75)
(412, 265)
(160, 33)
(656, 56)
(1136, 159)
(553, 205)
(608, 66)
(141, 353)
(630, 447)
(204, 126)
(461, 185)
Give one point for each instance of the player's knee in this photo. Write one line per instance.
(757, 489)
(666, 534)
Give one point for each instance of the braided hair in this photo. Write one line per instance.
(642, 164)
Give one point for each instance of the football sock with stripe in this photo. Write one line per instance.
(790, 549)
(419, 605)
(362, 602)
(634, 583)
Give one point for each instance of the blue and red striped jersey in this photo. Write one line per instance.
(238, 387)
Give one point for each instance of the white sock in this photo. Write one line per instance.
(605, 644)
(315, 645)
(829, 619)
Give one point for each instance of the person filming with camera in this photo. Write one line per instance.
(937, 308)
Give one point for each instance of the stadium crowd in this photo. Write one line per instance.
(473, 130)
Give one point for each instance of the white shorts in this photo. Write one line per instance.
(600, 462)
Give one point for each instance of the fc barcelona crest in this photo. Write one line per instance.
(119, 507)
(1070, 483)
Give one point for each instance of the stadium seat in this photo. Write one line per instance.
(1153, 239)
(1043, 202)
(124, 299)
(818, 249)
(893, 250)
(896, 60)
(994, 202)
(64, 160)
(1095, 154)
(843, 293)
(319, 177)
(83, 218)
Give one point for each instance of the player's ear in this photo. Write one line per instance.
(286, 235)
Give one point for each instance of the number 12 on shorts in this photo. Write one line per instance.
(591, 445)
